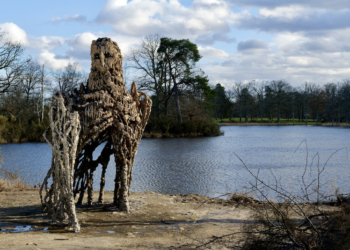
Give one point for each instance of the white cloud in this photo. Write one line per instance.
(293, 19)
(296, 57)
(289, 12)
(320, 68)
(124, 42)
(45, 42)
(13, 33)
(115, 4)
(298, 42)
(326, 4)
(78, 48)
(170, 18)
(80, 45)
(132, 18)
(53, 61)
(74, 18)
(301, 43)
(210, 52)
(305, 61)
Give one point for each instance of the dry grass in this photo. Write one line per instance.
(10, 180)
(9, 184)
(243, 198)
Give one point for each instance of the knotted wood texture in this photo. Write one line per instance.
(80, 121)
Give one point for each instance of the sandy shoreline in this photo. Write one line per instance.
(156, 221)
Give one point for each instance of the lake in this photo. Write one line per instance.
(209, 166)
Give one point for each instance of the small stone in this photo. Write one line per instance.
(130, 235)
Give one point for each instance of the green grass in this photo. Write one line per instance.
(265, 120)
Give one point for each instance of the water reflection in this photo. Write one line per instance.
(208, 166)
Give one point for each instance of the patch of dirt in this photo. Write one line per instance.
(156, 221)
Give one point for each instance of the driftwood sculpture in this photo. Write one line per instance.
(80, 121)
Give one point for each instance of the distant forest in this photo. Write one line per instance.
(253, 101)
(184, 102)
(277, 99)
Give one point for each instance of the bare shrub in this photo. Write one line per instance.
(298, 221)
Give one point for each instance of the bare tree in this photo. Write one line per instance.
(331, 92)
(293, 97)
(44, 86)
(30, 79)
(12, 64)
(237, 90)
(247, 98)
(306, 91)
(145, 60)
(280, 89)
(259, 90)
(230, 97)
(317, 101)
(69, 78)
(345, 95)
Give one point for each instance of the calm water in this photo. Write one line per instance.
(208, 166)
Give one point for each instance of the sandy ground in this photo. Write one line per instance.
(156, 222)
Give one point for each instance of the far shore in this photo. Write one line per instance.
(158, 135)
(282, 124)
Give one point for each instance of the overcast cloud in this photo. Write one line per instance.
(251, 44)
(239, 40)
(209, 39)
(294, 19)
(326, 4)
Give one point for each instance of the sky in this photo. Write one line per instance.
(240, 40)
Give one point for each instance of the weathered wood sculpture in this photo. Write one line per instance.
(80, 121)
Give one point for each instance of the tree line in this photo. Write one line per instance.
(277, 99)
(183, 99)
(167, 70)
(25, 90)
(169, 75)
